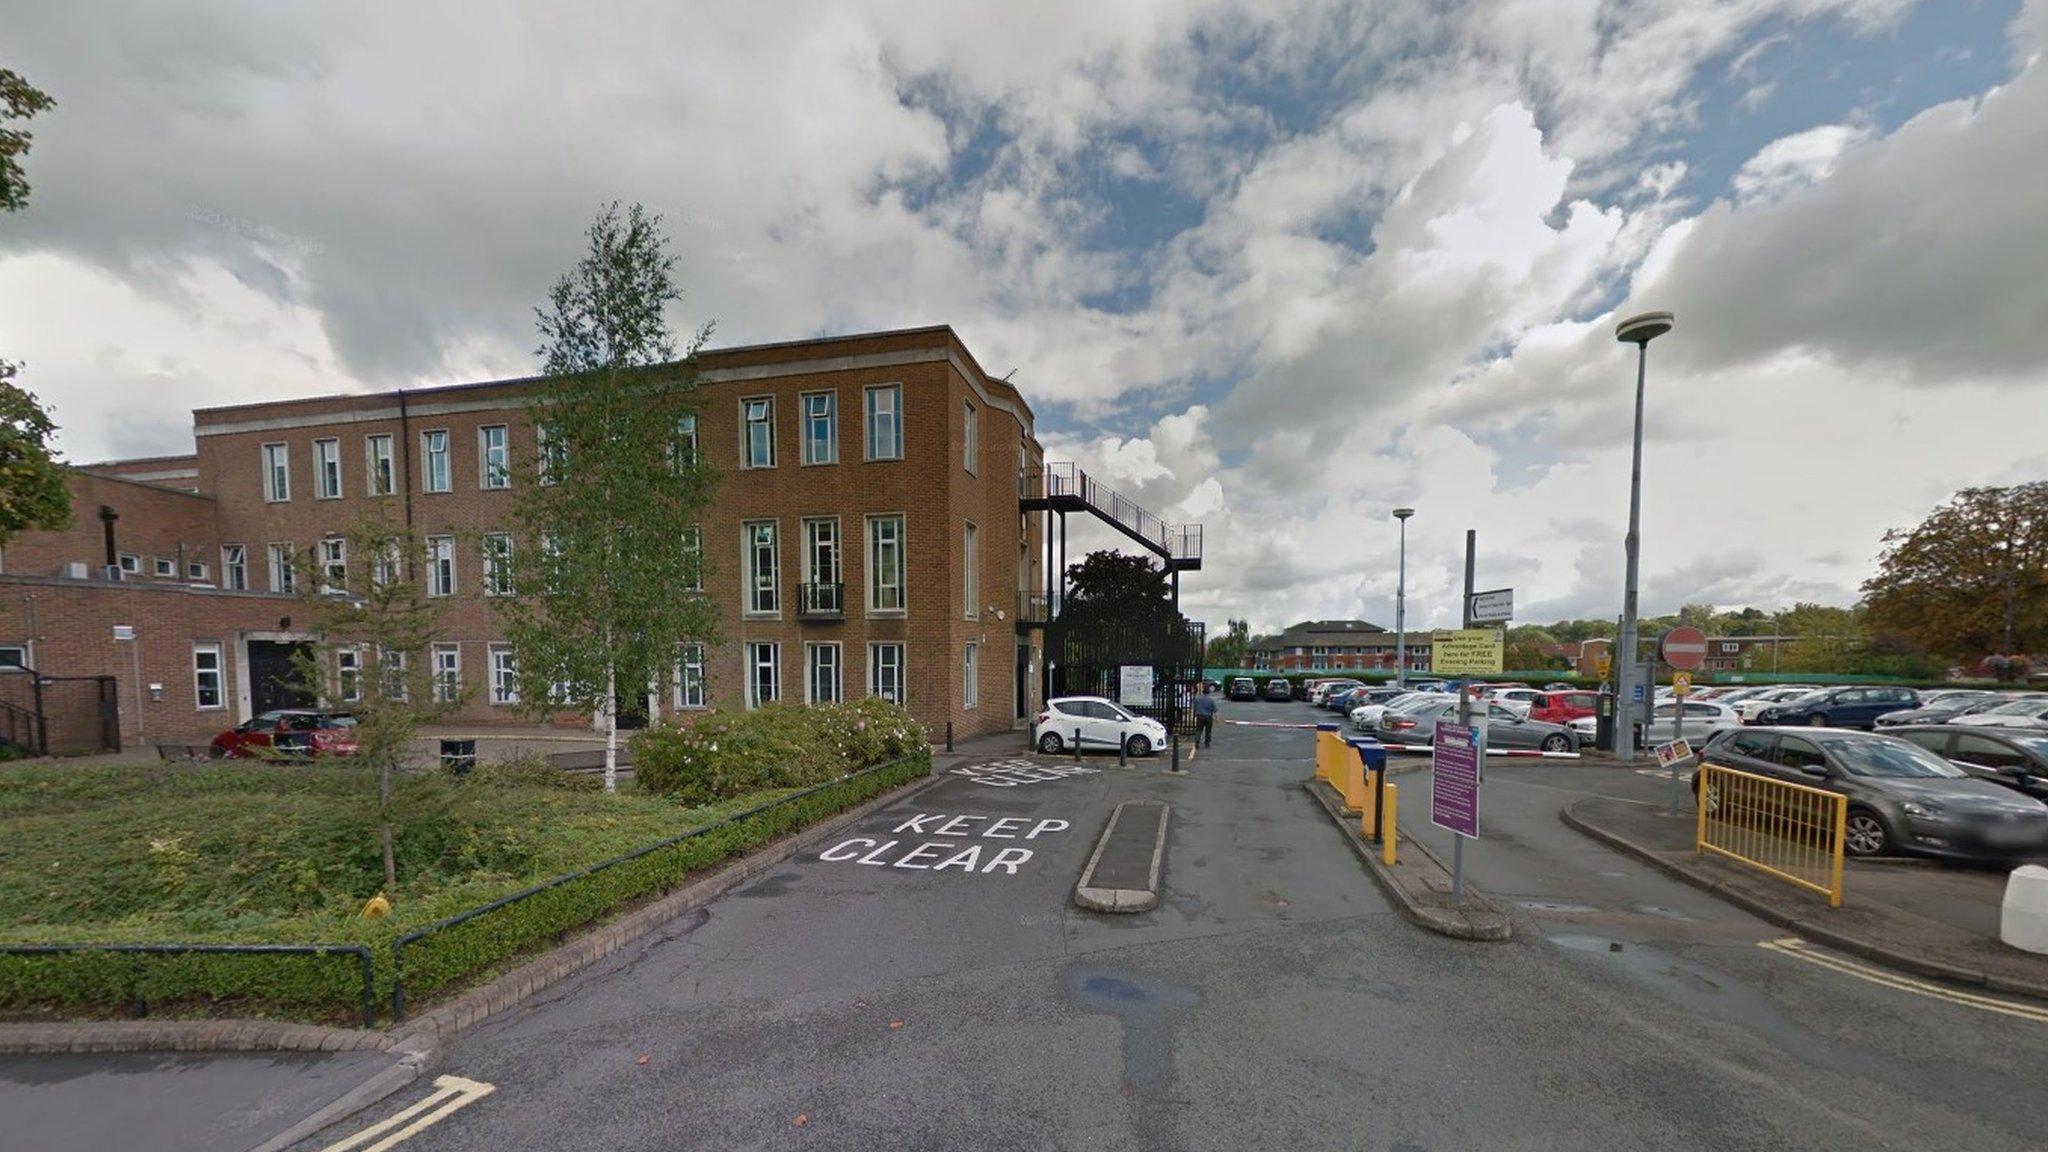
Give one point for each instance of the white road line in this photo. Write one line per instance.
(1801, 950)
(451, 1093)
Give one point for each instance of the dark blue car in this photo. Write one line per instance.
(1841, 707)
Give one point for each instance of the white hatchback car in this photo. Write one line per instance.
(1097, 722)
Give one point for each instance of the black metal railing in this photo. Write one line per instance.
(1037, 607)
(399, 945)
(360, 951)
(821, 601)
(1181, 542)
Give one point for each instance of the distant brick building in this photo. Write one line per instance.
(866, 537)
(1335, 646)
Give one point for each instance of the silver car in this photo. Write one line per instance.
(1505, 728)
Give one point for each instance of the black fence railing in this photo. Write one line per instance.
(725, 826)
(1064, 479)
(821, 601)
(361, 952)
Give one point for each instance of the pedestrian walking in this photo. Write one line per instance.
(1205, 718)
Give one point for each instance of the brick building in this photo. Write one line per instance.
(1336, 646)
(865, 537)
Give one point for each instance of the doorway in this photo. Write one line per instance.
(274, 676)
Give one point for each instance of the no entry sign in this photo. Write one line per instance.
(1683, 647)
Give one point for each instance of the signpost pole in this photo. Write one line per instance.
(1464, 719)
(1678, 734)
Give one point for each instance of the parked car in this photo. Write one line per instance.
(1097, 722)
(1243, 688)
(2013, 757)
(2025, 712)
(1841, 707)
(1321, 693)
(1375, 701)
(1703, 718)
(1278, 689)
(1753, 706)
(1902, 798)
(292, 733)
(1519, 697)
(1505, 727)
(1563, 707)
(1942, 707)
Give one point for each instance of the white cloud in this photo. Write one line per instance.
(1795, 161)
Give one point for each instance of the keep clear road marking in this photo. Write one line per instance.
(451, 1094)
(1800, 950)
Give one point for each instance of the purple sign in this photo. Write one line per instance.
(1454, 794)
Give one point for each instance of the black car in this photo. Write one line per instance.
(1944, 708)
(2014, 757)
(1841, 707)
(1278, 689)
(1243, 688)
(1902, 798)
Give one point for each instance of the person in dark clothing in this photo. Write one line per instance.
(1205, 718)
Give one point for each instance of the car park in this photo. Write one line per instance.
(2030, 711)
(1565, 706)
(288, 733)
(1841, 707)
(1901, 797)
(1243, 688)
(1505, 727)
(1096, 722)
(1943, 707)
(1703, 718)
(1752, 707)
(2014, 757)
(1278, 689)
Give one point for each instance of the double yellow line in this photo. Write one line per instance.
(450, 1094)
(1800, 950)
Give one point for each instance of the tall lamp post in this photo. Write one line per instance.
(1401, 604)
(1638, 330)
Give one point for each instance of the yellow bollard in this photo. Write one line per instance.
(1393, 834)
(1354, 782)
(1370, 800)
(1327, 744)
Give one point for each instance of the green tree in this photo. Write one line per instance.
(1230, 649)
(1525, 652)
(1972, 578)
(608, 537)
(375, 628)
(32, 490)
(1106, 585)
(19, 100)
(1823, 638)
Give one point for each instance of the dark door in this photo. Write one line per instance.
(632, 710)
(273, 679)
(1023, 681)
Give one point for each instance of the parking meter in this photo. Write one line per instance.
(1603, 720)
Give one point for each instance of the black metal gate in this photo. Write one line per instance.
(1087, 658)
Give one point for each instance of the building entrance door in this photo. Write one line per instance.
(274, 679)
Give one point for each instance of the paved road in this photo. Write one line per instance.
(897, 991)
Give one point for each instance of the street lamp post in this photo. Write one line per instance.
(1638, 330)
(1401, 604)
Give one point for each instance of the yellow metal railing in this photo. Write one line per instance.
(1791, 831)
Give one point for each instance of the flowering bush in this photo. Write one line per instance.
(725, 754)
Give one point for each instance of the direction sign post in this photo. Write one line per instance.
(1495, 607)
(1684, 648)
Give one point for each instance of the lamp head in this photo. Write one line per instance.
(1403, 513)
(1643, 327)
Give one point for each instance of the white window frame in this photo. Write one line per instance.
(163, 567)
(970, 568)
(428, 456)
(871, 415)
(686, 439)
(970, 677)
(234, 567)
(813, 649)
(380, 465)
(873, 551)
(284, 559)
(333, 555)
(440, 550)
(746, 432)
(448, 673)
(195, 569)
(504, 676)
(830, 452)
(690, 690)
(392, 668)
(326, 467)
(751, 593)
(388, 566)
(754, 650)
(493, 475)
(277, 473)
(809, 560)
(348, 674)
(875, 669)
(199, 677)
(693, 543)
(546, 457)
(970, 437)
(130, 564)
(497, 553)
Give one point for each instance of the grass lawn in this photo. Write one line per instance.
(252, 852)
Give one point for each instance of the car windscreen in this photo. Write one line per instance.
(1803, 698)
(1894, 759)
(1415, 703)
(2018, 708)
(2038, 745)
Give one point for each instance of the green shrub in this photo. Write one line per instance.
(725, 754)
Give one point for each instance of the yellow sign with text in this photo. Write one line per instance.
(1472, 652)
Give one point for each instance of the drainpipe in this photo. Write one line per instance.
(107, 518)
(405, 456)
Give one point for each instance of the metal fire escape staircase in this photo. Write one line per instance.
(1062, 488)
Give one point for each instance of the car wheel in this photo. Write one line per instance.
(1557, 742)
(1137, 746)
(1864, 834)
(1820, 720)
(1050, 744)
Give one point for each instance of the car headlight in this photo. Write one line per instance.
(1923, 810)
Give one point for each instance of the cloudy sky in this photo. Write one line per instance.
(1277, 266)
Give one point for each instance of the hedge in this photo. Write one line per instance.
(720, 755)
(329, 988)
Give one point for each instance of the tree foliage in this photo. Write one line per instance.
(1117, 585)
(32, 490)
(1972, 578)
(1231, 649)
(608, 531)
(19, 100)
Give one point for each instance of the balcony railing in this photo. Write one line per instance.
(1037, 607)
(1064, 479)
(821, 601)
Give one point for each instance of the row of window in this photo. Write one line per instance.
(882, 424)
(164, 567)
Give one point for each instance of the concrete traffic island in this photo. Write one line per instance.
(1123, 872)
(1417, 881)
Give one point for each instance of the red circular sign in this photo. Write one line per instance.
(1683, 647)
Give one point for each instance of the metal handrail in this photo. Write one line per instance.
(398, 946)
(360, 951)
(823, 598)
(1065, 478)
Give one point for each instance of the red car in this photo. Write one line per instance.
(1563, 707)
(292, 733)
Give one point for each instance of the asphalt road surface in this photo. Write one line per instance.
(925, 982)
